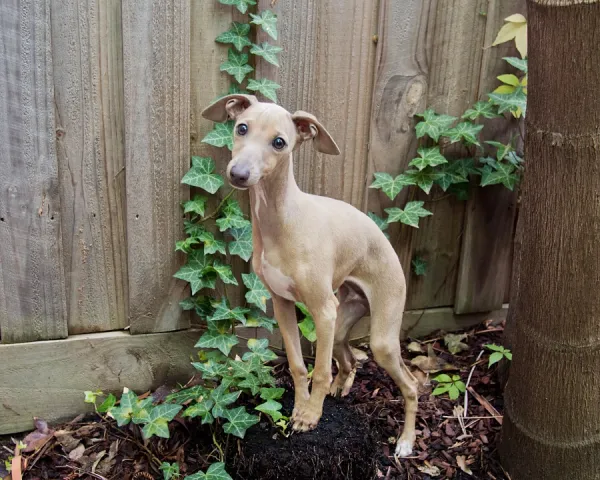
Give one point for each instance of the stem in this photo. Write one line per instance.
(221, 455)
(218, 209)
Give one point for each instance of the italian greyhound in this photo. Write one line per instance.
(308, 246)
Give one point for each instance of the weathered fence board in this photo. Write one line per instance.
(32, 284)
(156, 54)
(88, 93)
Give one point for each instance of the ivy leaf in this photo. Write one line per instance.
(210, 369)
(108, 403)
(463, 167)
(257, 293)
(90, 397)
(514, 102)
(501, 173)
(267, 51)
(518, 63)
(212, 245)
(242, 245)
(231, 218)
(170, 470)
(271, 408)
(515, 27)
(307, 326)
(158, 423)
(196, 205)
(410, 215)
(223, 312)
(389, 185)
(192, 271)
(419, 266)
(271, 393)
(252, 383)
(236, 65)
(215, 339)
(466, 131)
(428, 157)
(265, 86)
(222, 399)
(242, 5)
(481, 109)
(454, 342)
(380, 222)
(433, 124)
(201, 409)
(187, 394)
(215, 472)
(259, 349)
(223, 271)
(268, 22)
(256, 318)
(424, 178)
(220, 136)
(239, 421)
(449, 176)
(501, 149)
(237, 35)
(201, 175)
(460, 190)
(186, 245)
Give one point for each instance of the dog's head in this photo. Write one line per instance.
(263, 135)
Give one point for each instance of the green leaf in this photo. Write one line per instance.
(410, 215)
(268, 22)
(237, 35)
(193, 229)
(449, 176)
(242, 5)
(508, 354)
(224, 271)
(215, 339)
(389, 185)
(257, 293)
(501, 173)
(259, 348)
(464, 167)
(170, 470)
(307, 326)
(256, 318)
(192, 271)
(90, 397)
(460, 385)
(239, 421)
(424, 178)
(236, 65)
(453, 392)
(222, 399)
(186, 245)
(461, 191)
(495, 358)
(107, 404)
(267, 51)
(122, 413)
(251, 382)
(210, 369)
(212, 245)
(494, 347)
(433, 124)
(466, 131)
(187, 394)
(443, 378)
(201, 409)
(201, 174)
(196, 205)
(265, 86)
(514, 102)
(231, 220)
(428, 157)
(481, 109)
(158, 423)
(419, 266)
(271, 393)
(501, 149)
(223, 312)
(380, 222)
(242, 245)
(271, 408)
(518, 63)
(220, 136)
(441, 389)
(215, 472)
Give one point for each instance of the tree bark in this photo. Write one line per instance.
(552, 403)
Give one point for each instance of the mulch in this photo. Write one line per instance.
(355, 438)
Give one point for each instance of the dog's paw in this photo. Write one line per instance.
(336, 386)
(305, 419)
(404, 448)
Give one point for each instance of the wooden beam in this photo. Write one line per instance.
(32, 281)
(87, 52)
(156, 56)
(47, 379)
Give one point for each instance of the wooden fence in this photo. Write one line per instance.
(100, 103)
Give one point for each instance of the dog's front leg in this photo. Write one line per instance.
(285, 314)
(324, 313)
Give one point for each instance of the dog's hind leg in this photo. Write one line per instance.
(353, 306)
(386, 316)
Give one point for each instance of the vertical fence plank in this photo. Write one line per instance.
(485, 264)
(156, 56)
(88, 85)
(32, 285)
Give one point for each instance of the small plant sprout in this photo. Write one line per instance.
(453, 386)
(499, 352)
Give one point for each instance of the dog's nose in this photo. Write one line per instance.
(239, 174)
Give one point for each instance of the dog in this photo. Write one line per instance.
(308, 246)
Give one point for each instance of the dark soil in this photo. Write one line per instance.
(354, 440)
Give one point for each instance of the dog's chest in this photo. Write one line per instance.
(277, 281)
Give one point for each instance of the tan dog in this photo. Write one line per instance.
(307, 246)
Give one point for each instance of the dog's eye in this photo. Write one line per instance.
(279, 143)
(242, 129)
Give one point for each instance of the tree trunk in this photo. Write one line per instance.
(552, 418)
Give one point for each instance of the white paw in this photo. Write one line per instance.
(403, 448)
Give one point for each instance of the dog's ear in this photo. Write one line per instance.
(308, 127)
(229, 106)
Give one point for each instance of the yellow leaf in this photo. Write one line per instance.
(524, 81)
(521, 40)
(507, 32)
(516, 18)
(505, 89)
(509, 79)
(461, 461)
(518, 112)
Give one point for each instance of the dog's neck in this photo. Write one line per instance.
(274, 199)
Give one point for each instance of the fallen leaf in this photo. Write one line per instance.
(461, 461)
(66, 440)
(360, 355)
(429, 469)
(454, 342)
(431, 363)
(77, 452)
(38, 437)
(414, 347)
(99, 457)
